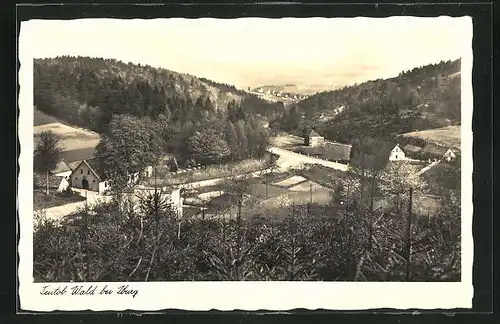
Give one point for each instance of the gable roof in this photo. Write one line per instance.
(434, 150)
(94, 167)
(74, 165)
(450, 153)
(395, 147)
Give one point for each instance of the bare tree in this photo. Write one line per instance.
(47, 153)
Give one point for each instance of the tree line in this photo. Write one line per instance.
(132, 143)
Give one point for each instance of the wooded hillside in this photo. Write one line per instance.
(423, 98)
(88, 91)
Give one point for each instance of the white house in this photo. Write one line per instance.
(397, 154)
(86, 176)
(314, 139)
(449, 155)
(175, 200)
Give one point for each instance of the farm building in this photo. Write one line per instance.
(86, 175)
(314, 139)
(397, 154)
(78, 155)
(436, 152)
(409, 152)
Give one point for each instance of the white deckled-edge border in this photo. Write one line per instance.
(250, 296)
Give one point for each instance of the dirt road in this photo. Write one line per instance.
(58, 212)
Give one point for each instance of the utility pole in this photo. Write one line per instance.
(47, 175)
(408, 237)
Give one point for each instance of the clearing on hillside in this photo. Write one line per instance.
(71, 138)
(446, 136)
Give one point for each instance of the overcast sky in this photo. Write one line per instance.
(255, 51)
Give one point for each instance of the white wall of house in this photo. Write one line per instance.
(63, 185)
(84, 178)
(397, 154)
(176, 200)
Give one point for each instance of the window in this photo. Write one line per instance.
(88, 172)
(396, 156)
(93, 180)
(81, 171)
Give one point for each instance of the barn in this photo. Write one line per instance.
(86, 175)
(314, 139)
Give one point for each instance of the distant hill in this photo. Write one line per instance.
(293, 89)
(426, 97)
(87, 91)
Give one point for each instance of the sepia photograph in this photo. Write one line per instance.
(246, 150)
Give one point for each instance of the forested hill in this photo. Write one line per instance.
(88, 91)
(423, 98)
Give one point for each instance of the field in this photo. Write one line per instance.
(71, 138)
(447, 136)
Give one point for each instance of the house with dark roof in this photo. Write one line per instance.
(87, 175)
(434, 151)
(314, 139)
(409, 152)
